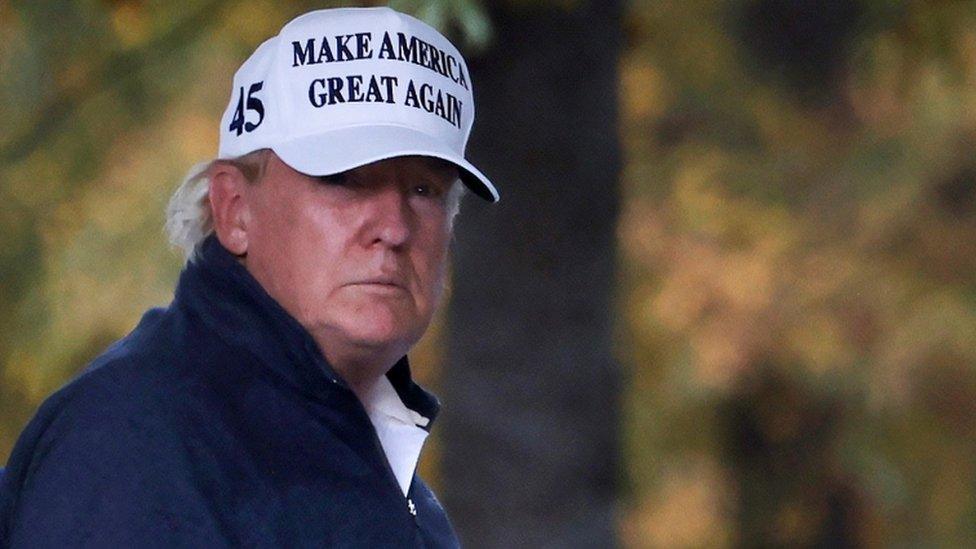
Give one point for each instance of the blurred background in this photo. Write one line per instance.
(727, 299)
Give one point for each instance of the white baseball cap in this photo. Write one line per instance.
(340, 88)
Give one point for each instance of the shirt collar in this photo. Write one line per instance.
(383, 400)
(400, 430)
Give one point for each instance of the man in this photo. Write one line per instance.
(271, 403)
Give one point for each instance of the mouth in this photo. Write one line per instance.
(380, 283)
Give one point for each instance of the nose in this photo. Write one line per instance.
(392, 219)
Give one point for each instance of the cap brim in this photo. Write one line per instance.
(347, 148)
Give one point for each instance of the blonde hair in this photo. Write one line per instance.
(189, 219)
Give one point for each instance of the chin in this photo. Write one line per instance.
(379, 331)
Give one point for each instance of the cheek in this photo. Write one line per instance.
(317, 251)
(299, 253)
(313, 279)
(432, 262)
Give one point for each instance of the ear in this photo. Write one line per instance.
(229, 206)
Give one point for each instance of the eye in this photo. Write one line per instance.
(429, 190)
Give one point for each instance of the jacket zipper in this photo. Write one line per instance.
(408, 504)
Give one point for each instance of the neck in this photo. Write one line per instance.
(361, 371)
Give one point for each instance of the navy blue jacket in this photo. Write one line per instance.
(216, 422)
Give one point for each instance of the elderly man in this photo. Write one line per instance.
(271, 404)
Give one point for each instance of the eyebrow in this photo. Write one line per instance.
(442, 166)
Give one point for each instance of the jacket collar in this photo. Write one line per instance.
(216, 289)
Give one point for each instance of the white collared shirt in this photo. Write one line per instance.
(399, 430)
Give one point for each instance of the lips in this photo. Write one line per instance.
(387, 281)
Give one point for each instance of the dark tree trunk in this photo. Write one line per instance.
(531, 418)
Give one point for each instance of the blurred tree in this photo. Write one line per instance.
(798, 243)
(802, 43)
(530, 429)
(781, 450)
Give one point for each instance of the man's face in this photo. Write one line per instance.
(358, 258)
